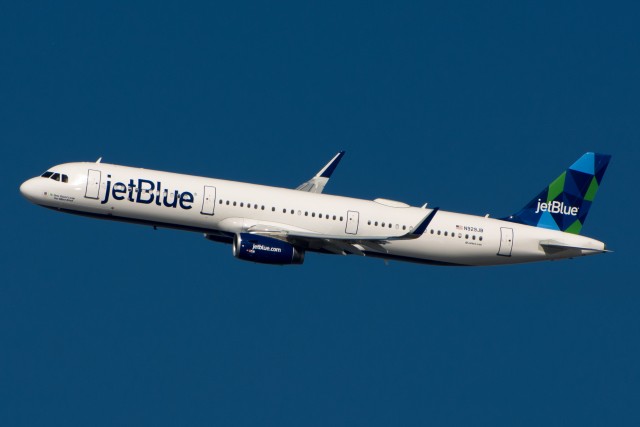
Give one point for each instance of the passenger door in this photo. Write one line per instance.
(93, 184)
(506, 241)
(208, 201)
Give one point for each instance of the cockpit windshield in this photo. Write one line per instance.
(55, 176)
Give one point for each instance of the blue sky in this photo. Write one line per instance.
(471, 107)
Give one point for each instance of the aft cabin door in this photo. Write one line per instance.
(352, 222)
(93, 184)
(506, 241)
(209, 201)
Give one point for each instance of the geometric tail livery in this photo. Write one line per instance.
(565, 203)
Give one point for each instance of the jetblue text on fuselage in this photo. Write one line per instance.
(556, 207)
(147, 192)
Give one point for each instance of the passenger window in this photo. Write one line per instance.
(446, 234)
(480, 238)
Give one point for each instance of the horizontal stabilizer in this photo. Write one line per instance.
(556, 246)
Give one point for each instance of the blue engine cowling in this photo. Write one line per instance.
(265, 250)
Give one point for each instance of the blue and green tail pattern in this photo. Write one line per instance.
(565, 203)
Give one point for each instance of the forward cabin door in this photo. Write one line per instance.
(209, 200)
(506, 241)
(352, 222)
(93, 184)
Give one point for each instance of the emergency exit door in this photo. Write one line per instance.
(352, 222)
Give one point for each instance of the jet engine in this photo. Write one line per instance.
(265, 250)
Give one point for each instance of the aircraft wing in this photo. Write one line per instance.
(339, 244)
(317, 183)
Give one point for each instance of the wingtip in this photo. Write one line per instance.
(333, 164)
(420, 229)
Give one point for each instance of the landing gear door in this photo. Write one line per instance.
(352, 222)
(93, 184)
(506, 241)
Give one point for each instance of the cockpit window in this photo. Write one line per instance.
(56, 176)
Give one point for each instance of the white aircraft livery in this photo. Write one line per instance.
(278, 226)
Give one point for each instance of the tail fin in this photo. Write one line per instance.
(565, 203)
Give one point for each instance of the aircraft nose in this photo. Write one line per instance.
(28, 189)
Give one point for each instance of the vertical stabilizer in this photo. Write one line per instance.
(565, 203)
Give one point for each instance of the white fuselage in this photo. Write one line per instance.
(224, 208)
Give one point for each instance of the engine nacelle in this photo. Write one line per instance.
(265, 250)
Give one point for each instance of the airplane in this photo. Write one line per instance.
(273, 225)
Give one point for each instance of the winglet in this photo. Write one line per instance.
(318, 182)
(331, 166)
(420, 228)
